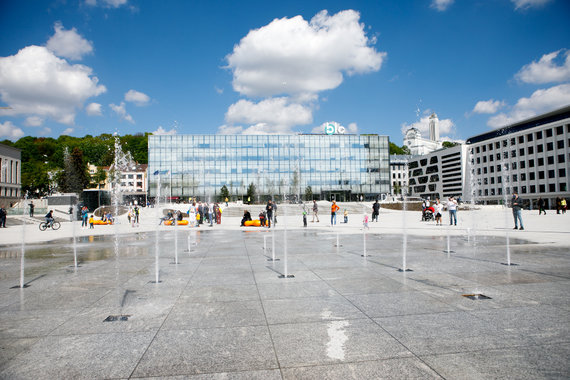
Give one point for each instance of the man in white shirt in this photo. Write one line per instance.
(452, 208)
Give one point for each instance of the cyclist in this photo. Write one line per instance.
(49, 218)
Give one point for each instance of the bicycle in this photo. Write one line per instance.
(45, 225)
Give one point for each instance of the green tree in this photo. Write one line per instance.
(449, 144)
(75, 177)
(251, 191)
(224, 193)
(99, 176)
(395, 149)
(308, 193)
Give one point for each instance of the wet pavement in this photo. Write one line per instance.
(224, 312)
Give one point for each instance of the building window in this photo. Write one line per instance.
(513, 166)
(484, 148)
(550, 146)
(541, 175)
(513, 141)
(539, 135)
(530, 150)
(559, 130)
(478, 150)
(485, 170)
(560, 144)
(521, 139)
(550, 160)
(492, 180)
(562, 187)
(529, 137)
(531, 176)
(540, 161)
(497, 145)
(513, 153)
(515, 178)
(523, 176)
(522, 164)
(562, 172)
(491, 158)
(523, 189)
(539, 148)
(504, 143)
(532, 188)
(552, 187)
(492, 169)
(560, 158)
(541, 188)
(551, 174)
(521, 152)
(549, 132)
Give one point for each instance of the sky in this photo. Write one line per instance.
(88, 67)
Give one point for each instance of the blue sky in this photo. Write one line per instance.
(192, 67)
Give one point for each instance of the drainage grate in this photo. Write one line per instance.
(115, 318)
(476, 296)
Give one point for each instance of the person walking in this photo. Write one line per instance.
(541, 206)
(375, 211)
(452, 208)
(32, 209)
(438, 209)
(84, 217)
(211, 214)
(563, 205)
(269, 210)
(315, 211)
(516, 204)
(3, 215)
(334, 209)
(274, 206)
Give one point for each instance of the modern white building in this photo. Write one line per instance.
(439, 174)
(10, 175)
(531, 157)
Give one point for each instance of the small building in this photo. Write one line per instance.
(399, 173)
(10, 175)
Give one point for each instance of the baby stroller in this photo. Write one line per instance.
(427, 214)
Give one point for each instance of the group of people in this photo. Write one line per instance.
(210, 212)
(133, 216)
(438, 207)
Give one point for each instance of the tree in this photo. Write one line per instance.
(395, 149)
(75, 177)
(224, 193)
(449, 144)
(251, 191)
(308, 193)
(99, 176)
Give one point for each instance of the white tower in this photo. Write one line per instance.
(433, 127)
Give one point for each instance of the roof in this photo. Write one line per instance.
(546, 118)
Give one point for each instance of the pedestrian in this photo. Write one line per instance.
(315, 211)
(452, 208)
(269, 211)
(334, 209)
(541, 206)
(192, 215)
(563, 205)
(84, 217)
(211, 214)
(438, 209)
(32, 209)
(375, 211)
(91, 222)
(274, 206)
(365, 222)
(345, 216)
(200, 216)
(558, 205)
(3, 215)
(517, 204)
(137, 211)
(226, 201)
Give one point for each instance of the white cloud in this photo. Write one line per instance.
(545, 70)
(34, 121)
(121, 111)
(35, 82)
(488, 106)
(45, 132)
(67, 131)
(94, 109)
(162, 131)
(352, 128)
(540, 101)
(10, 131)
(230, 130)
(441, 5)
(107, 3)
(293, 56)
(138, 98)
(269, 116)
(68, 43)
(445, 125)
(526, 4)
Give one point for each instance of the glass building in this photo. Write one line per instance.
(340, 166)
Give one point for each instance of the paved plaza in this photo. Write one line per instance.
(224, 310)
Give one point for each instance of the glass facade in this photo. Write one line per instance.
(344, 166)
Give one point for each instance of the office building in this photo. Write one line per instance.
(10, 175)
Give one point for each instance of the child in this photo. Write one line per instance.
(345, 216)
(366, 222)
(91, 220)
